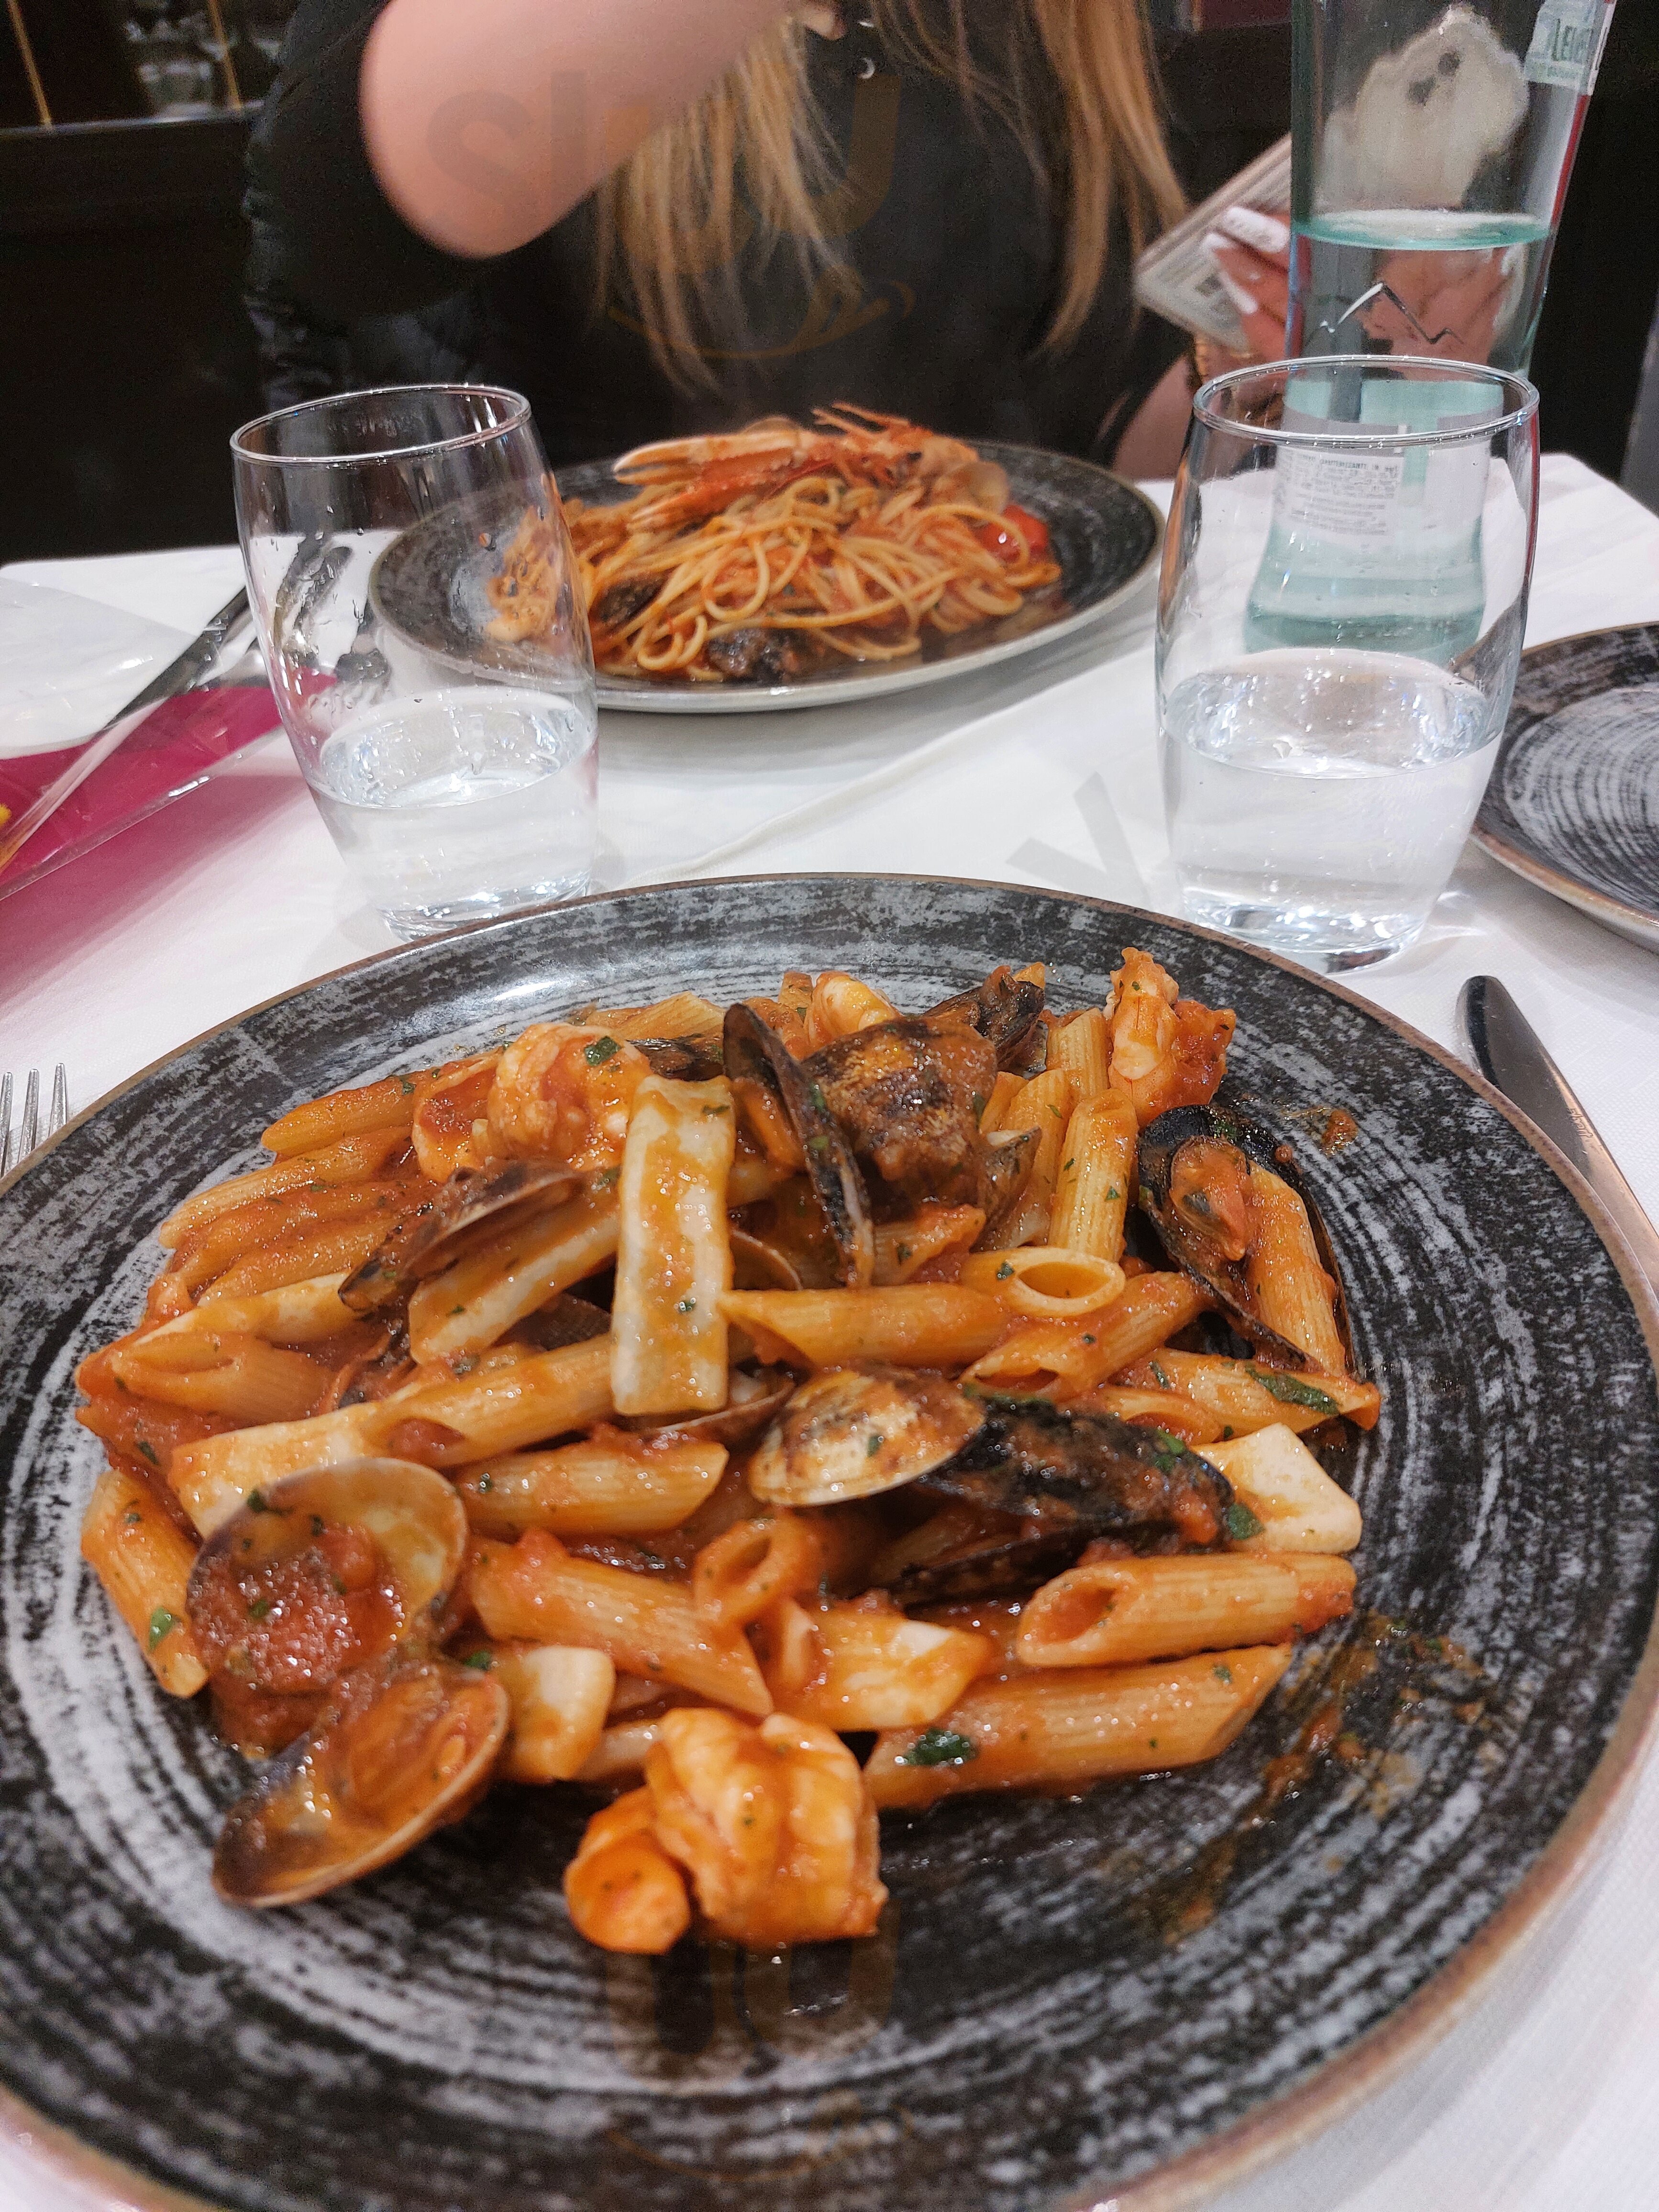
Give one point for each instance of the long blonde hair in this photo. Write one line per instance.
(676, 217)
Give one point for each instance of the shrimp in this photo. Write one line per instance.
(624, 1892)
(1166, 1051)
(564, 1093)
(773, 1824)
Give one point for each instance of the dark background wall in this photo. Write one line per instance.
(127, 361)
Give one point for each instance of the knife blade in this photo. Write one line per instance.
(182, 674)
(1508, 1053)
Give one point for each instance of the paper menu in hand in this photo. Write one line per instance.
(1177, 279)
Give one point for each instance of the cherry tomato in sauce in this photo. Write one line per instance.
(1018, 538)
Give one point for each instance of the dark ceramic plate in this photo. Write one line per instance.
(1573, 803)
(428, 585)
(1133, 1993)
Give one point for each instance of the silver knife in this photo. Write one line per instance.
(182, 674)
(1509, 1054)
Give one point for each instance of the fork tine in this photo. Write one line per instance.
(5, 1124)
(59, 1114)
(28, 1129)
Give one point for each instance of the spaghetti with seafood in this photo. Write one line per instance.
(755, 556)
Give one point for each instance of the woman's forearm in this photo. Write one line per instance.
(486, 120)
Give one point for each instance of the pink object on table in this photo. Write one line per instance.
(180, 742)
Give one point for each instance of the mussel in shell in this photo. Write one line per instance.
(910, 1093)
(1224, 1197)
(755, 1052)
(404, 1745)
(1007, 1014)
(1062, 1477)
(487, 1201)
(855, 1431)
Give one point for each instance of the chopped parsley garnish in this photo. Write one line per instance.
(406, 1085)
(1005, 1271)
(1114, 1193)
(600, 1050)
(148, 1452)
(1162, 1379)
(1222, 1674)
(454, 1310)
(873, 1443)
(1088, 1340)
(708, 1110)
(979, 1105)
(162, 1623)
(606, 1179)
(486, 1481)
(1226, 1432)
(819, 1144)
(686, 1305)
(133, 1519)
(816, 1094)
(256, 1501)
(1242, 1524)
(1168, 1451)
(904, 1253)
(319, 1526)
(1292, 1391)
(483, 1661)
(936, 1746)
(1069, 1164)
(259, 1609)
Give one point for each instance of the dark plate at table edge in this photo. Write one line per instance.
(1633, 922)
(639, 696)
(1342, 2083)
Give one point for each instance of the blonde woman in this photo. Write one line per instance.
(661, 216)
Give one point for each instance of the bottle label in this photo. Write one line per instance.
(1351, 499)
(1567, 39)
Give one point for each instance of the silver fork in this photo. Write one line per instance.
(30, 1134)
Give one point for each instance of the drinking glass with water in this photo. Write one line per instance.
(1340, 615)
(456, 774)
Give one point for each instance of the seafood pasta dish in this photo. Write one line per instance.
(754, 555)
(754, 1417)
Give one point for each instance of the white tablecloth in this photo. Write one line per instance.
(1043, 773)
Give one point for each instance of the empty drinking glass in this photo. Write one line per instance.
(1340, 613)
(412, 578)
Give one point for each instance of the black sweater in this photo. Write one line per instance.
(938, 310)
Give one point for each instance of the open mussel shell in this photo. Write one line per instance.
(1198, 1227)
(1062, 1477)
(414, 1515)
(404, 1745)
(1005, 1014)
(485, 1201)
(755, 1052)
(756, 1400)
(855, 1431)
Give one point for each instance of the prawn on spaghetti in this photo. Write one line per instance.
(755, 556)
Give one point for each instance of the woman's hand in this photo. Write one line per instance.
(1251, 249)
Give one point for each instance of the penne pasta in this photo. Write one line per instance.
(1243, 1395)
(609, 1484)
(218, 1371)
(751, 1567)
(206, 1252)
(1004, 1091)
(902, 1247)
(212, 1478)
(503, 1409)
(841, 1004)
(536, 1591)
(1066, 1728)
(143, 1563)
(337, 1249)
(1097, 1175)
(754, 1177)
(1292, 1292)
(683, 1014)
(1045, 1282)
(351, 1160)
(559, 1694)
(293, 1313)
(388, 1104)
(911, 1325)
(1083, 1047)
(1278, 1479)
(1156, 1409)
(674, 1258)
(469, 1305)
(1044, 1105)
(866, 1665)
(1115, 1612)
(1045, 1360)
